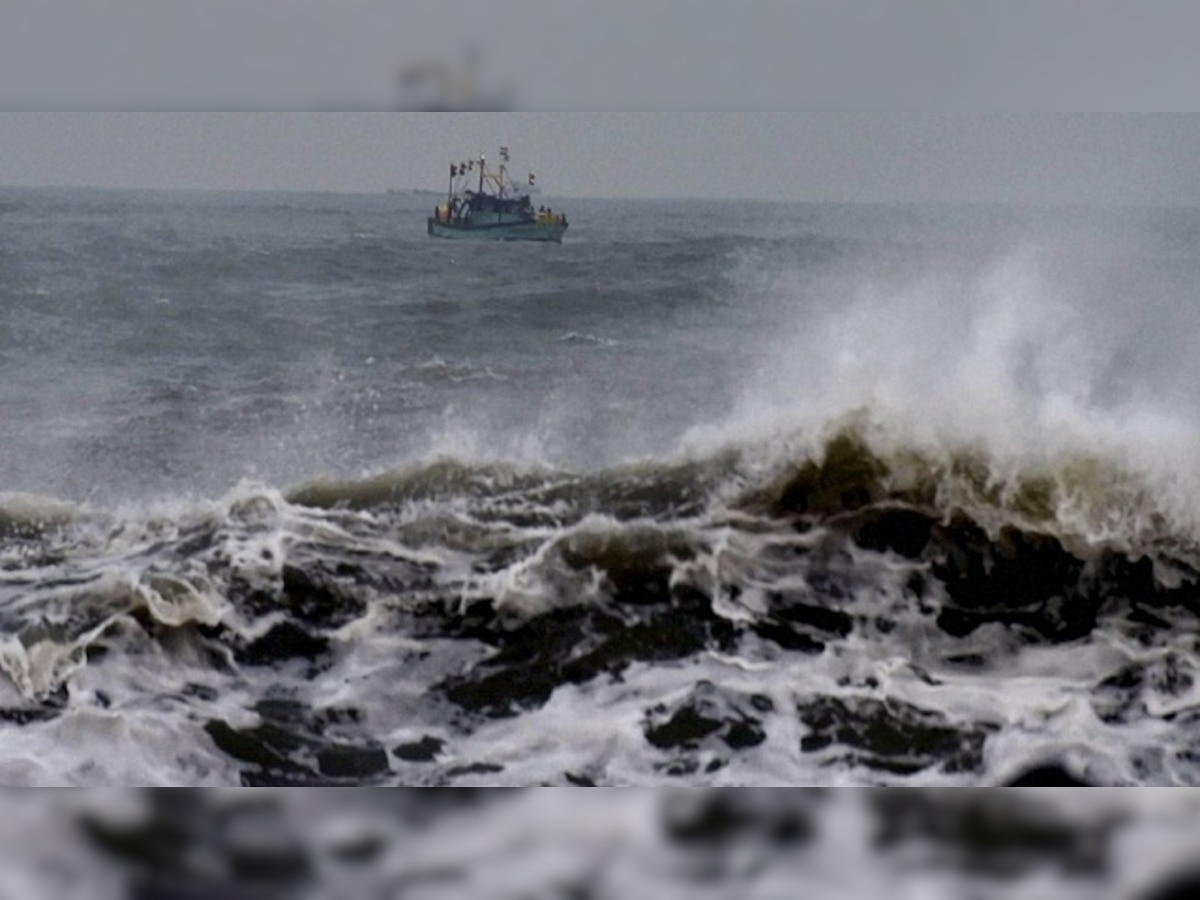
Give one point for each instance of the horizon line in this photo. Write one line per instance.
(395, 190)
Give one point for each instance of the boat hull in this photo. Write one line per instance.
(500, 231)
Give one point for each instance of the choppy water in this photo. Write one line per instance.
(713, 493)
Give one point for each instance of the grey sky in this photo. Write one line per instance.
(878, 57)
(604, 54)
(861, 157)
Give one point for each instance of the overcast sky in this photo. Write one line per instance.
(895, 63)
(860, 157)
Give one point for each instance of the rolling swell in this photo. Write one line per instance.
(714, 620)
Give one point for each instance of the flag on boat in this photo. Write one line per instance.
(504, 153)
(531, 179)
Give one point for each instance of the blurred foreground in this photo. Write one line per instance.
(1136, 844)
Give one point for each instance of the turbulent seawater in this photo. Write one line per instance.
(711, 494)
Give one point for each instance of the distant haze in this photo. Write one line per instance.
(1095, 158)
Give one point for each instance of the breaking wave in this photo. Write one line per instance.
(900, 510)
(846, 609)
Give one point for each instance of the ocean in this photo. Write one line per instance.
(714, 493)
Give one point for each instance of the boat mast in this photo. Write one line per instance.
(482, 160)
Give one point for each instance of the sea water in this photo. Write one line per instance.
(714, 493)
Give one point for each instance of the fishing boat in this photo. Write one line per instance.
(488, 205)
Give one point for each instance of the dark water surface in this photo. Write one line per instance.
(713, 493)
